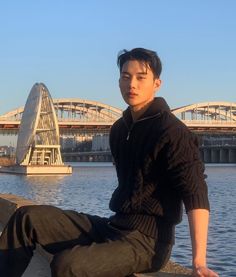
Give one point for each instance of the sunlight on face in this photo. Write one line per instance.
(138, 84)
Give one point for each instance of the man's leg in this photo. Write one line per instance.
(53, 228)
(133, 252)
(115, 253)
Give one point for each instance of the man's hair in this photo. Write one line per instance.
(146, 56)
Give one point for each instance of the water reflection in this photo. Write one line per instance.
(46, 189)
(88, 189)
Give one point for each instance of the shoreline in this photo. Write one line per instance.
(6, 161)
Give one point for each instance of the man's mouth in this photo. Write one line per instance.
(131, 94)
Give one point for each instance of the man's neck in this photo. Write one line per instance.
(137, 112)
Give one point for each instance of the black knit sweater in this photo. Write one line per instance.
(158, 168)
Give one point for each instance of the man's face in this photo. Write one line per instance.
(137, 84)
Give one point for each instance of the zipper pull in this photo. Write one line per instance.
(129, 131)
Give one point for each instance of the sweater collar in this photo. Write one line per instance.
(157, 107)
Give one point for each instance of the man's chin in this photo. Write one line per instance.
(131, 102)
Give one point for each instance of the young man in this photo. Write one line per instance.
(158, 168)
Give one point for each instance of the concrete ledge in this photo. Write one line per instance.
(171, 269)
(9, 203)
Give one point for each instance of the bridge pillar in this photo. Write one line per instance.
(215, 155)
(207, 155)
(224, 155)
(202, 154)
(232, 155)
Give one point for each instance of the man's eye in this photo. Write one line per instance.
(141, 78)
(125, 77)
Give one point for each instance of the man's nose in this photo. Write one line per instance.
(133, 82)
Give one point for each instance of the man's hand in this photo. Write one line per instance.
(203, 272)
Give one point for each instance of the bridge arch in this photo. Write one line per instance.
(207, 111)
(71, 109)
(80, 111)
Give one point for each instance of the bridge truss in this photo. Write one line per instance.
(75, 109)
(75, 114)
(72, 114)
(208, 116)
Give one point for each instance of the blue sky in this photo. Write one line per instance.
(72, 46)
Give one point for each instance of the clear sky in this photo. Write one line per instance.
(72, 46)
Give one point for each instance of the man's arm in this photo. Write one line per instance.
(198, 225)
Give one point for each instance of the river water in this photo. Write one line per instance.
(89, 189)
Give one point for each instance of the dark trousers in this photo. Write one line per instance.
(82, 245)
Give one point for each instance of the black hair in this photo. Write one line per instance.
(149, 57)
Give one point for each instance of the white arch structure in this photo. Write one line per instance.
(38, 139)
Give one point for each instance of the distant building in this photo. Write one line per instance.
(7, 151)
(79, 143)
(100, 143)
(67, 142)
(3, 152)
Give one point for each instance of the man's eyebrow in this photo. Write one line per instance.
(142, 73)
(138, 73)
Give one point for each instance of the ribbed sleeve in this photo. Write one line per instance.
(185, 169)
(196, 201)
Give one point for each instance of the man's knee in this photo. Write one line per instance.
(26, 209)
(28, 216)
(29, 212)
(22, 212)
(35, 212)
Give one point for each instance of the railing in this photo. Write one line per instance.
(209, 122)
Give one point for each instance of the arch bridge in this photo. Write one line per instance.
(215, 122)
(72, 113)
(90, 121)
(75, 114)
(208, 116)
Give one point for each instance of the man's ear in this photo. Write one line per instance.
(157, 83)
